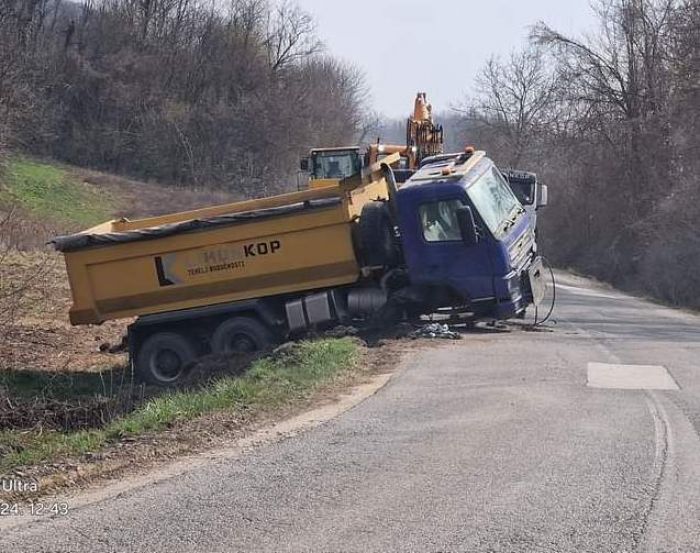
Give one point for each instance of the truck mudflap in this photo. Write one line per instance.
(536, 281)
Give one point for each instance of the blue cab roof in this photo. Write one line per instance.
(448, 174)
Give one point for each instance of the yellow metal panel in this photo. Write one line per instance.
(251, 260)
(374, 186)
(251, 230)
(323, 183)
(235, 207)
(360, 196)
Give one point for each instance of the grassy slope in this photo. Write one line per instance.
(66, 198)
(40, 199)
(270, 383)
(55, 194)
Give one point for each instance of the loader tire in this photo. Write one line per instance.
(164, 358)
(377, 235)
(241, 335)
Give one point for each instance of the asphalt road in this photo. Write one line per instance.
(493, 443)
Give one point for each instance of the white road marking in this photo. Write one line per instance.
(592, 293)
(630, 377)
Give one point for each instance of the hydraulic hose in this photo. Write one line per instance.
(554, 296)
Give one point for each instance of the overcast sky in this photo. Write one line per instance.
(435, 46)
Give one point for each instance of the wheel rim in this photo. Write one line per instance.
(167, 365)
(241, 343)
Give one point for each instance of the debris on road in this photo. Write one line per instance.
(436, 330)
(340, 331)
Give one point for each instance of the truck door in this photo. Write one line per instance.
(440, 257)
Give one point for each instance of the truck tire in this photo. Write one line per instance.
(377, 235)
(242, 335)
(163, 358)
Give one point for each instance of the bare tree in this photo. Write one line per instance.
(628, 206)
(620, 70)
(609, 120)
(516, 101)
(291, 35)
(619, 78)
(182, 91)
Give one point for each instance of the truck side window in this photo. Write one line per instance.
(439, 221)
(525, 192)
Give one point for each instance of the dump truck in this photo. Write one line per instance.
(242, 276)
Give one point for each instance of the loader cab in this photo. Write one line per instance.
(462, 224)
(328, 166)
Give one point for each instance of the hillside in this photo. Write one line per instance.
(39, 199)
(61, 198)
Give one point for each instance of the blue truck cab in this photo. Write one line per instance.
(463, 229)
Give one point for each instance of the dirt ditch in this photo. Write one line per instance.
(73, 400)
(138, 453)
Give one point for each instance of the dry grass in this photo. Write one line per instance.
(272, 384)
(47, 199)
(35, 334)
(138, 199)
(38, 336)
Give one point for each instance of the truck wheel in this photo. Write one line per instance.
(241, 335)
(163, 358)
(377, 235)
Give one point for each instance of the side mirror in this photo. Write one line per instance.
(304, 164)
(542, 196)
(467, 225)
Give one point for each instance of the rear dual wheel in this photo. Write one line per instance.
(163, 358)
(240, 335)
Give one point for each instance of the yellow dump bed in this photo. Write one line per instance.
(282, 244)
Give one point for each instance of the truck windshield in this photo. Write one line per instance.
(335, 165)
(495, 202)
